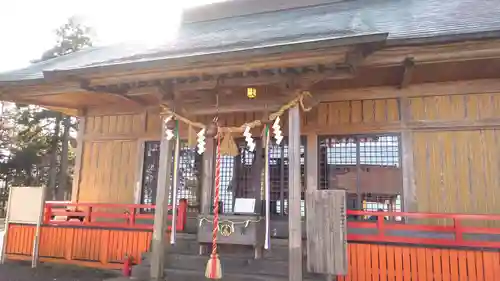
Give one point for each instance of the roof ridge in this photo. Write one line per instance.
(241, 8)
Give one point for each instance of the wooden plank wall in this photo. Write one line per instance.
(372, 262)
(111, 142)
(108, 171)
(109, 158)
(455, 143)
(456, 170)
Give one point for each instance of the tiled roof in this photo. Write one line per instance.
(402, 19)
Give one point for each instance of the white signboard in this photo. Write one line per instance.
(24, 204)
(244, 206)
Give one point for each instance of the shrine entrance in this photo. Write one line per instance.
(242, 176)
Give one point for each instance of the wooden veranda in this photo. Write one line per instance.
(446, 253)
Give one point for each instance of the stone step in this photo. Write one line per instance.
(188, 244)
(189, 267)
(141, 272)
(229, 264)
(191, 275)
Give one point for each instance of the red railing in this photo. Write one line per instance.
(408, 230)
(121, 215)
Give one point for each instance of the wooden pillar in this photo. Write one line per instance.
(294, 197)
(312, 162)
(139, 169)
(161, 213)
(75, 189)
(409, 196)
(208, 176)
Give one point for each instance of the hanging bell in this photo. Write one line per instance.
(212, 129)
(170, 123)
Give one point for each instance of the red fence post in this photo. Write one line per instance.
(380, 225)
(48, 213)
(181, 216)
(131, 216)
(458, 230)
(88, 217)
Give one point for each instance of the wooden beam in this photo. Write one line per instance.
(454, 125)
(56, 106)
(67, 111)
(117, 90)
(75, 189)
(218, 67)
(41, 88)
(312, 162)
(398, 127)
(139, 168)
(294, 197)
(166, 91)
(356, 56)
(207, 180)
(168, 96)
(409, 185)
(120, 109)
(334, 72)
(161, 213)
(240, 105)
(409, 67)
(479, 86)
(431, 53)
(385, 57)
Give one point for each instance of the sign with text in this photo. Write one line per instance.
(24, 204)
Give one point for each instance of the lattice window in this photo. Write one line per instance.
(150, 169)
(242, 176)
(367, 167)
(189, 185)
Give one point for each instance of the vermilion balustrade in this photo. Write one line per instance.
(122, 215)
(410, 225)
(378, 229)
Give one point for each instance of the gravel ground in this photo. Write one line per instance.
(22, 271)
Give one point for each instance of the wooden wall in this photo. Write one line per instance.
(110, 157)
(453, 141)
(456, 170)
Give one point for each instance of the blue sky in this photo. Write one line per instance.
(26, 26)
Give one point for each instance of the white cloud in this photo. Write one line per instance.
(26, 26)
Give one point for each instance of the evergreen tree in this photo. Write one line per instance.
(35, 149)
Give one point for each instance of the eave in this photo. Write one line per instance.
(68, 84)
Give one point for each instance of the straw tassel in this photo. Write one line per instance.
(214, 270)
(191, 137)
(228, 146)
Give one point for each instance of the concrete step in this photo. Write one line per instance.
(232, 264)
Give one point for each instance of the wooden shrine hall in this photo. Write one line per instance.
(282, 140)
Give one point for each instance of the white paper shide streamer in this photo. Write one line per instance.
(267, 187)
(175, 185)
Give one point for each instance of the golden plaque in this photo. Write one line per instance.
(226, 229)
